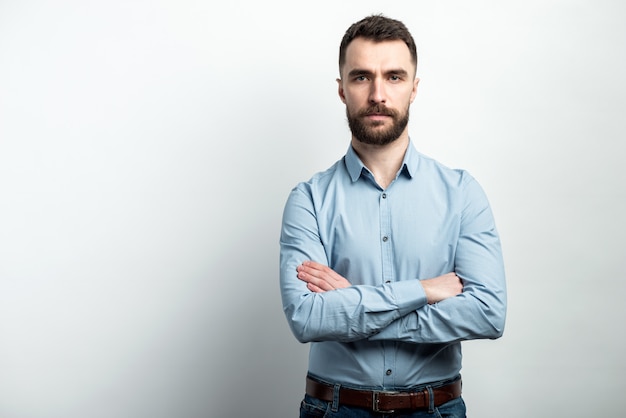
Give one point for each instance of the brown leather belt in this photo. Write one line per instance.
(384, 401)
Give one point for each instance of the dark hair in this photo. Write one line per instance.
(377, 28)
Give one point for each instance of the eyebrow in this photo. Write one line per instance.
(360, 72)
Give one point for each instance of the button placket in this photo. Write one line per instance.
(387, 277)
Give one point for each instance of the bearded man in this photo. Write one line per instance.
(388, 259)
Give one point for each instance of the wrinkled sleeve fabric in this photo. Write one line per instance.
(344, 315)
(480, 311)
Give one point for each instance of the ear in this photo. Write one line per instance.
(342, 95)
(414, 91)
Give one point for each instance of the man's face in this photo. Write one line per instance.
(377, 85)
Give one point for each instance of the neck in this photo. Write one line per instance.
(383, 161)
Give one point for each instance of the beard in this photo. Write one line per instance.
(368, 132)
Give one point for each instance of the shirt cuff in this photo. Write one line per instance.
(409, 295)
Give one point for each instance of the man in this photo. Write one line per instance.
(388, 259)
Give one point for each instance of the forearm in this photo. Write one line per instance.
(349, 314)
(321, 279)
(464, 317)
(478, 312)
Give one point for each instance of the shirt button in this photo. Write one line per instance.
(388, 372)
(384, 195)
(385, 239)
(388, 281)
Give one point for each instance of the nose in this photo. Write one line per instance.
(377, 91)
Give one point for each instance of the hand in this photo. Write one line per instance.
(442, 287)
(320, 278)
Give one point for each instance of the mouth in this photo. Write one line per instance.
(377, 116)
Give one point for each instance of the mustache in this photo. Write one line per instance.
(378, 109)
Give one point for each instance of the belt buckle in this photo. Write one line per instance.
(376, 401)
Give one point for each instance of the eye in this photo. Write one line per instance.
(394, 77)
(360, 78)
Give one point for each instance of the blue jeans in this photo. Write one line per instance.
(313, 407)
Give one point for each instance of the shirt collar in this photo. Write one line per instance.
(409, 165)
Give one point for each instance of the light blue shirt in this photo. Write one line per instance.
(380, 332)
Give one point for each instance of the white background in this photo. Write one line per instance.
(147, 149)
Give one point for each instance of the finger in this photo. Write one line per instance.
(308, 269)
(317, 281)
(314, 268)
(320, 284)
(314, 288)
(324, 273)
(336, 277)
(312, 264)
(318, 269)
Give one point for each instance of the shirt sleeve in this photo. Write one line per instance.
(345, 315)
(478, 312)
